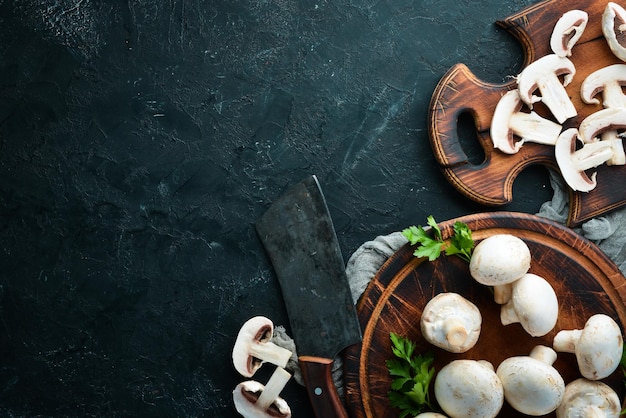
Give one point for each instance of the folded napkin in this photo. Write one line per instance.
(608, 232)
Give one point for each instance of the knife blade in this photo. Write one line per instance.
(299, 237)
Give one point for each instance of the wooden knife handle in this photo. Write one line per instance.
(318, 379)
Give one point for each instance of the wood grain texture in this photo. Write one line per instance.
(459, 91)
(585, 279)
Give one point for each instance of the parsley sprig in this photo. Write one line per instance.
(431, 245)
(411, 377)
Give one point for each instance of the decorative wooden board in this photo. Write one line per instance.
(585, 279)
(460, 91)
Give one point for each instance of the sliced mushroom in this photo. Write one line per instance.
(255, 400)
(253, 347)
(567, 31)
(604, 125)
(509, 122)
(543, 75)
(498, 261)
(469, 389)
(533, 305)
(614, 29)
(573, 163)
(598, 346)
(451, 322)
(531, 385)
(587, 398)
(608, 81)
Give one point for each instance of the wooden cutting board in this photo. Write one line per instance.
(459, 91)
(585, 279)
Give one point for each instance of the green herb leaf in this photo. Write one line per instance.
(431, 243)
(411, 374)
(461, 243)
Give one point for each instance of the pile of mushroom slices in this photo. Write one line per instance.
(529, 383)
(252, 349)
(598, 139)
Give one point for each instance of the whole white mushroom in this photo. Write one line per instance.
(598, 346)
(588, 399)
(451, 322)
(533, 304)
(469, 389)
(498, 261)
(531, 385)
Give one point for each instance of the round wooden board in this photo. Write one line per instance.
(585, 279)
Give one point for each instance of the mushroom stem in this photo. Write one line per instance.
(271, 353)
(565, 341)
(454, 330)
(613, 94)
(593, 154)
(533, 128)
(544, 354)
(592, 411)
(615, 140)
(272, 390)
(502, 293)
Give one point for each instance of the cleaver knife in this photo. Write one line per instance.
(299, 237)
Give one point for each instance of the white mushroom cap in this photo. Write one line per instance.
(469, 389)
(533, 304)
(430, 415)
(254, 400)
(509, 121)
(598, 346)
(451, 322)
(587, 399)
(567, 31)
(532, 386)
(499, 259)
(543, 75)
(608, 81)
(574, 162)
(253, 347)
(613, 19)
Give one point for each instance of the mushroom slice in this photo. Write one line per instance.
(533, 304)
(567, 31)
(614, 29)
(598, 346)
(604, 125)
(608, 81)
(531, 385)
(543, 75)
(573, 163)
(587, 398)
(508, 121)
(253, 347)
(254, 400)
(451, 322)
(498, 261)
(469, 389)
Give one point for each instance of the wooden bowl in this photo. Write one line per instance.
(585, 280)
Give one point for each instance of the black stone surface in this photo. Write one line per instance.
(139, 142)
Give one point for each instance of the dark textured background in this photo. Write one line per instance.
(139, 142)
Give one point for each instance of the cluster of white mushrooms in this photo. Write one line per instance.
(529, 383)
(599, 134)
(252, 349)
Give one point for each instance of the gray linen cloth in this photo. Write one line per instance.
(608, 232)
